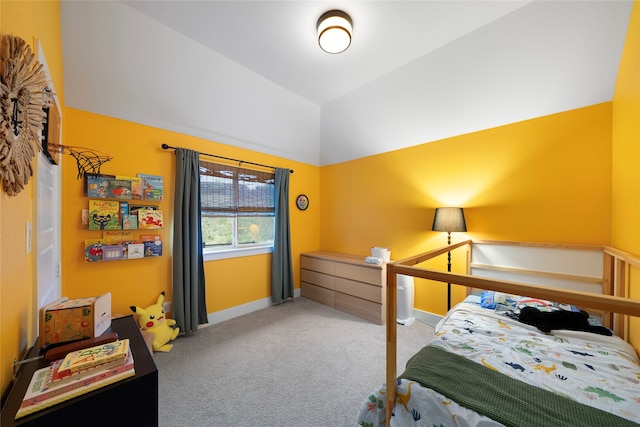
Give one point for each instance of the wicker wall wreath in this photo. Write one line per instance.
(22, 98)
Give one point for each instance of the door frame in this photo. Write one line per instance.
(50, 204)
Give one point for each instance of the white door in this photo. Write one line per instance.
(48, 231)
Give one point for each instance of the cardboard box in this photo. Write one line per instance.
(67, 320)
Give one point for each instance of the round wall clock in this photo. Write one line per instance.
(302, 202)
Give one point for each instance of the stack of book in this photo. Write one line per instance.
(80, 372)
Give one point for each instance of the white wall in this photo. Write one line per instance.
(226, 103)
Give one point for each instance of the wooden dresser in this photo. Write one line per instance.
(346, 283)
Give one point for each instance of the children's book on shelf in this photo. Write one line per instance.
(149, 219)
(131, 248)
(85, 218)
(119, 189)
(43, 392)
(124, 210)
(152, 248)
(97, 185)
(152, 186)
(103, 214)
(93, 356)
(135, 250)
(136, 185)
(93, 249)
(133, 209)
(112, 252)
(125, 249)
(130, 222)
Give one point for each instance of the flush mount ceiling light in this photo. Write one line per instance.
(334, 31)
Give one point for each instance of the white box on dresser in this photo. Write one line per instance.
(346, 283)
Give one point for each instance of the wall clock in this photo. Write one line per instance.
(22, 98)
(302, 202)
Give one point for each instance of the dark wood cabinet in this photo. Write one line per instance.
(132, 401)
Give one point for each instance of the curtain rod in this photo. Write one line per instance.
(166, 147)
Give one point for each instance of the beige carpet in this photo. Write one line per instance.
(296, 364)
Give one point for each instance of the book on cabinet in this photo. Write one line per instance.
(80, 360)
(43, 392)
(56, 378)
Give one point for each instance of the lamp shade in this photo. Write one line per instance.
(334, 31)
(449, 220)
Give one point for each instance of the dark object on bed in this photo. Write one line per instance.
(546, 321)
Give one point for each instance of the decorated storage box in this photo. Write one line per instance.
(69, 320)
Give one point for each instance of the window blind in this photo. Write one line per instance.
(233, 191)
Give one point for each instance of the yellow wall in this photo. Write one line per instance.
(136, 149)
(546, 180)
(626, 156)
(26, 20)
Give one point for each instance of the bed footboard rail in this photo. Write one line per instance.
(392, 270)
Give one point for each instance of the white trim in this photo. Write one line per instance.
(426, 317)
(248, 308)
(236, 252)
(240, 310)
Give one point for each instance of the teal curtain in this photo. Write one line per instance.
(281, 267)
(189, 303)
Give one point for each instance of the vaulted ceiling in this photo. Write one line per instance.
(250, 73)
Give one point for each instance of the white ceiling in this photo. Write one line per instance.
(250, 73)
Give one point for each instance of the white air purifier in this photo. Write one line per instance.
(405, 299)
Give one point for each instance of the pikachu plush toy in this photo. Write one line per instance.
(152, 319)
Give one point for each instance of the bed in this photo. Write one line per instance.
(485, 368)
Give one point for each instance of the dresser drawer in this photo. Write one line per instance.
(316, 264)
(359, 289)
(319, 279)
(365, 274)
(359, 307)
(317, 293)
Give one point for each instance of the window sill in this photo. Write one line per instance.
(236, 253)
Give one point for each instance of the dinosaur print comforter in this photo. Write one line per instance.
(596, 370)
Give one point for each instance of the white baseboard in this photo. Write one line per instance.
(240, 310)
(426, 317)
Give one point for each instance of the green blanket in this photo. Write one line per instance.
(499, 397)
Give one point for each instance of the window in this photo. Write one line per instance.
(238, 209)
